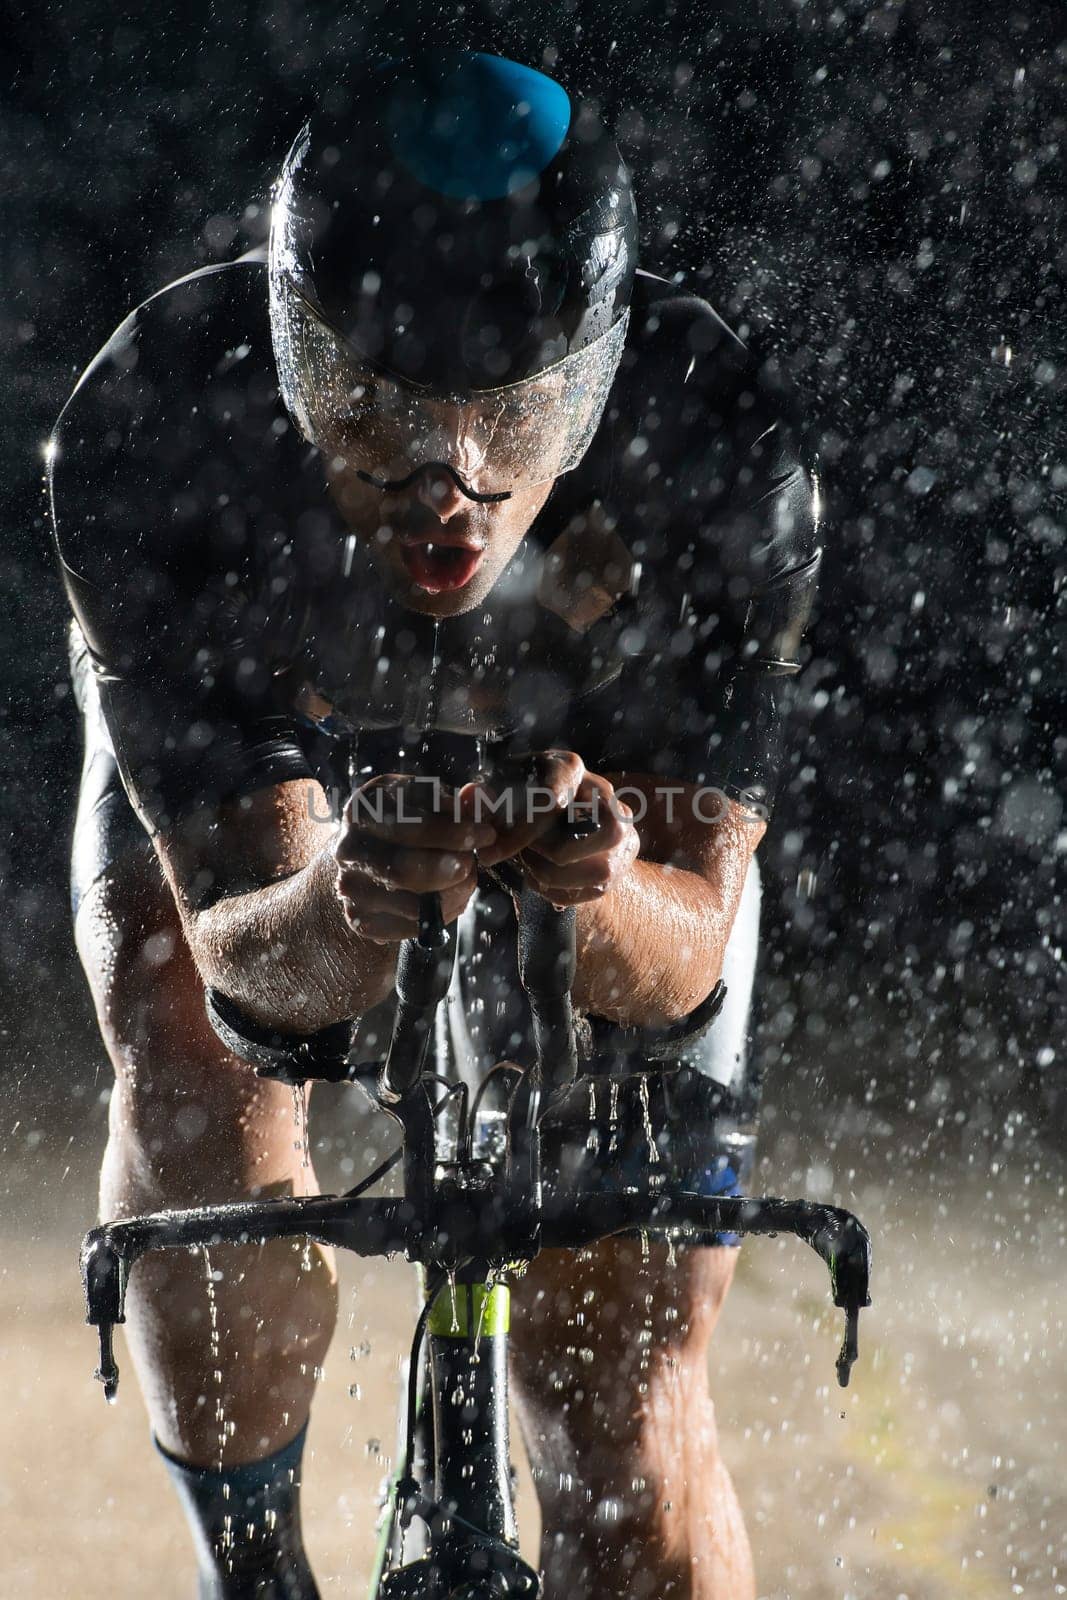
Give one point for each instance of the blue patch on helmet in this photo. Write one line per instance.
(484, 129)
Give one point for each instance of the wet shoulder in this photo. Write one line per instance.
(696, 469)
(702, 444)
(174, 438)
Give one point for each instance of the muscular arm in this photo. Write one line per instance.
(652, 948)
(255, 883)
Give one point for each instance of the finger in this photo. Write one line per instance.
(405, 828)
(561, 897)
(529, 810)
(598, 872)
(364, 897)
(455, 901)
(608, 832)
(562, 770)
(385, 916)
(596, 819)
(393, 808)
(418, 871)
(585, 874)
(382, 928)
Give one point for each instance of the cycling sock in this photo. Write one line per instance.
(245, 1522)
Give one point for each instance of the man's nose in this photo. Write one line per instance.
(439, 491)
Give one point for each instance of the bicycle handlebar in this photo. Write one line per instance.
(467, 1211)
(472, 1222)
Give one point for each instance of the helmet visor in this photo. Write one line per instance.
(495, 440)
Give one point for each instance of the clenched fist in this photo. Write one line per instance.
(402, 837)
(535, 819)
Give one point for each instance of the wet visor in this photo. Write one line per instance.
(494, 441)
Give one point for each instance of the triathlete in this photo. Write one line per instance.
(440, 464)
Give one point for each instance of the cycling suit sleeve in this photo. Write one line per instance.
(165, 575)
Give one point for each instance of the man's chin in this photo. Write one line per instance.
(446, 603)
(452, 604)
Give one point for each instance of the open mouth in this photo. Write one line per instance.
(440, 568)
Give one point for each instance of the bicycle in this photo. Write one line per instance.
(470, 1214)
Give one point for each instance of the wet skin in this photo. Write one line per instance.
(191, 1124)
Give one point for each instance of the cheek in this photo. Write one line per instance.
(512, 530)
(361, 510)
(505, 550)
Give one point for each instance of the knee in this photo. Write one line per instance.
(611, 1365)
(611, 1370)
(176, 1138)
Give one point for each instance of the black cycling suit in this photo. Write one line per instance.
(238, 637)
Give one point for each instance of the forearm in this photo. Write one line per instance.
(285, 954)
(651, 949)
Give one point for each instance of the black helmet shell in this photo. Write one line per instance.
(469, 227)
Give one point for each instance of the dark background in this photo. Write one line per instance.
(873, 195)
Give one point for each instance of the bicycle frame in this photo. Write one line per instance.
(469, 1221)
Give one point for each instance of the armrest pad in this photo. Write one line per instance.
(288, 1057)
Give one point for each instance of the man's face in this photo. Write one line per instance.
(436, 550)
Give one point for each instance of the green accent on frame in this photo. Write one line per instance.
(478, 1310)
